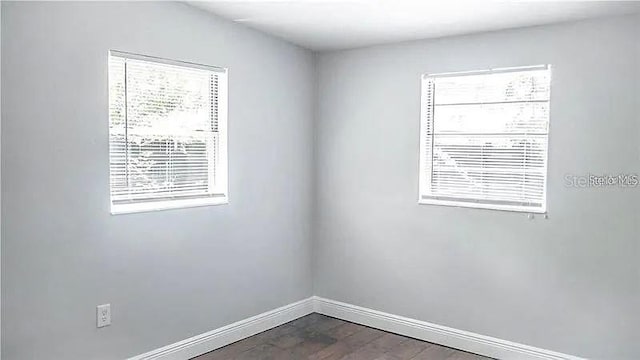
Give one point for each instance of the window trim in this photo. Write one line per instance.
(168, 204)
(424, 199)
(221, 196)
(155, 59)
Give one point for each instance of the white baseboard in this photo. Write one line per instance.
(459, 339)
(438, 334)
(209, 341)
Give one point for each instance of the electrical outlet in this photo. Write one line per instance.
(103, 315)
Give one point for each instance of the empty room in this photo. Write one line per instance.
(320, 180)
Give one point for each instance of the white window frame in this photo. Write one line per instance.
(221, 193)
(424, 196)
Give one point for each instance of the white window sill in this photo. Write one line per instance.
(167, 205)
(516, 208)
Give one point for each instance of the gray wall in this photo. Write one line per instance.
(569, 283)
(168, 275)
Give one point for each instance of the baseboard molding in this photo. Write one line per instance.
(459, 339)
(209, 341)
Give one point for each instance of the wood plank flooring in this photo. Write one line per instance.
(319, 337)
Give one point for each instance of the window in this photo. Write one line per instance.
(484, 139)
(167, 133)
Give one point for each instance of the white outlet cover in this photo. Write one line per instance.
(103, 315)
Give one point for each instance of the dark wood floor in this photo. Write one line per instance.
(316, 337)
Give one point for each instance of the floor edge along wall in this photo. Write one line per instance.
(459, 339)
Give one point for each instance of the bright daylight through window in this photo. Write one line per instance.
(167, 133)
(484, 139)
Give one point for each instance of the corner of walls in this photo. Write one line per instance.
(0, 180)
(314, 171)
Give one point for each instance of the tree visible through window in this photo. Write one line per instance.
(484, 139)
(166, 132)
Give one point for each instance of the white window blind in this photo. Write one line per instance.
(167, 133)
(484, 139)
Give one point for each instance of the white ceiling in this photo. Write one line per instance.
(334, 24)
